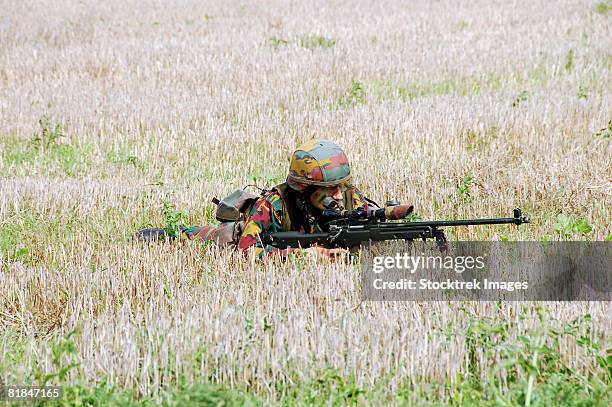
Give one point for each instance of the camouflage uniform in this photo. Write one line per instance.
(316, 163)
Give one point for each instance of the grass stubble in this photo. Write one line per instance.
(462, 110)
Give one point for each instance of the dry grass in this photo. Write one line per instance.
(191, 100)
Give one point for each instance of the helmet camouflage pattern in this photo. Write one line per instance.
(319, 163)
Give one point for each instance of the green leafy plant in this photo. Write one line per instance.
(569, 225)
(46, 149)
(582, 92)
(530, 368)
(205, 394)
(464, 188)
(603, 8)
(174, 220)
(354, 95)
(316, 41)
(327, 387)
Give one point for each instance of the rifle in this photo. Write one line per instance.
(347, 229)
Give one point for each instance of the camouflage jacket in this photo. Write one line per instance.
(267, 215)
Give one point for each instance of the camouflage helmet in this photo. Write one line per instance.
(319, 163)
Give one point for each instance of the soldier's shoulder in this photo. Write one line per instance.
(273, 198)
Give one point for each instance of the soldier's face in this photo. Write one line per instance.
(319, 195)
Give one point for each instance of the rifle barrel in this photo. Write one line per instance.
(517, 219)
(465, 222)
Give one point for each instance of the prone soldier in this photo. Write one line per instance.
(319, 173)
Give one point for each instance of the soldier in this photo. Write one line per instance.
(319, 174)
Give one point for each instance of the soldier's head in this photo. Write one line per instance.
(320, 170)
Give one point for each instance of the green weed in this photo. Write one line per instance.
(65, 159)
(603, 8)
(17, 152)
(410, 91)
(101, 394)
(326, 387)
(105, 394)
(499, 369)
(278, 42)
(530, 370)
(174, 220)
(65, 360)
(316, 41)
(582, 92)
(464, 86)
(354, 95)
(568, 226)
(407, 93)
(210, 395)
(123, 156)
(464, 188)
(25, 234)
(13, 353)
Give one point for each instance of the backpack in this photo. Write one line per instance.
(231, 212)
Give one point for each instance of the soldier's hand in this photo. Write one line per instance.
(332, 254)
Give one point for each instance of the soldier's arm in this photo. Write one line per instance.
(264, 217)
